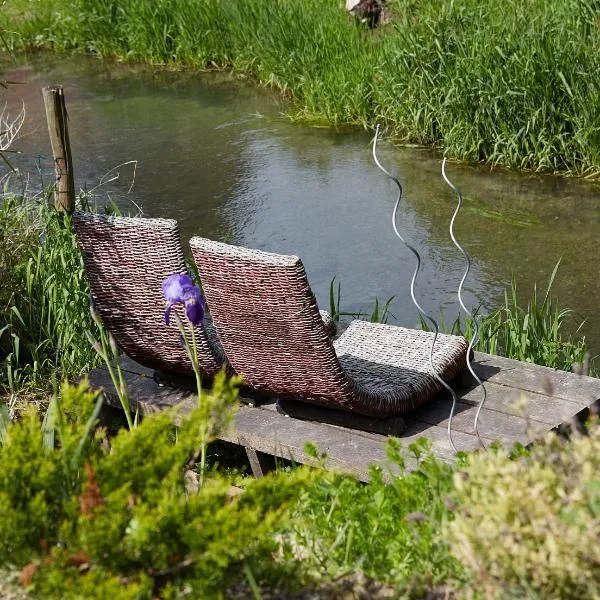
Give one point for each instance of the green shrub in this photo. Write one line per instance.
(388, 529)
(532, 525)
(123, 522)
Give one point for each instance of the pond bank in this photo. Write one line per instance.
(511, 83)
(235, 171)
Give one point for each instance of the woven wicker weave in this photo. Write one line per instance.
(268, 322)
(126, 259)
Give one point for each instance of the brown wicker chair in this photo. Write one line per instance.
(126, 259)
(268, 322)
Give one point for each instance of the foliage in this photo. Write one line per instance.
(532, 524)
(379, 314)
(44, 306)
(388, 529)
(532, 334)
(108, 350)
(123, 522)
(509, 82)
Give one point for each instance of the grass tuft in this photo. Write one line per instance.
(44, 298)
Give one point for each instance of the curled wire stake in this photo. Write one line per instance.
(413, 280)
(475, 336)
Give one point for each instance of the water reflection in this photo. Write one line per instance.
(218, 156)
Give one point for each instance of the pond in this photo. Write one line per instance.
(218, 155)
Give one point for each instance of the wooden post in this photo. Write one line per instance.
(56, 115)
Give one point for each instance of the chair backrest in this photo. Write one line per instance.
(126, 259)
(268, 322)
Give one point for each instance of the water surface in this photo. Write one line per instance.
(218, 155)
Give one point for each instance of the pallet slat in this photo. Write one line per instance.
(552, 398)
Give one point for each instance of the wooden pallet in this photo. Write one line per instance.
(524, 402)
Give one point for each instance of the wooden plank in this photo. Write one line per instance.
(261, 430)
(577, 389)
(265, 430)
(493, 425)
(144, 392)
(260, 463)
(497, 370)
(346, 450)
(412, 430)
(129, 365)
(281, 436)
(507, 382)
(512, 401)
(499, 420)
(310, 412)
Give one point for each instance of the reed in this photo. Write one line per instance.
(535, 331)
(44, 297)
(511, 82)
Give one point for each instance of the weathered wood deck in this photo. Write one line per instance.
(548, 399)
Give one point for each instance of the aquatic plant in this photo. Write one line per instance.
(534, 332)
(379, 313)
(509, 82)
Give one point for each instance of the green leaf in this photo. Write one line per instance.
(4, 422)
(87, 430)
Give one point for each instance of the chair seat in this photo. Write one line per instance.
(330, 325)
(392, 362)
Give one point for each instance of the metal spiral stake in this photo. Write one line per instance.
(431, 320)
(475, 336)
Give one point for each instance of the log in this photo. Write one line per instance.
(56, 115)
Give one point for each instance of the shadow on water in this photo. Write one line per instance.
(217, 155)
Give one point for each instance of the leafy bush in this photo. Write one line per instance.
(89, 521)
(532, 524)
(388, 529)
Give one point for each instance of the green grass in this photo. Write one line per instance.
(511, 82)
(388, 530)
(44, 297)
(535, 332)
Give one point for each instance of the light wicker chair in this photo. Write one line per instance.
(126, 259)
(269, 325)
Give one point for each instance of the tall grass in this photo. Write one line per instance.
(44, 306)
(512, 82)
(533, 332)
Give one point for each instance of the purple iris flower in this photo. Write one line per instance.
(180, 289)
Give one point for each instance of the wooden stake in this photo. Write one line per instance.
(56, 115)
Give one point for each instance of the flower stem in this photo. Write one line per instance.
(203, 433)
(192, 350)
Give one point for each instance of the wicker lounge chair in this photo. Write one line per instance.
(126, 259)
(268, 322)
